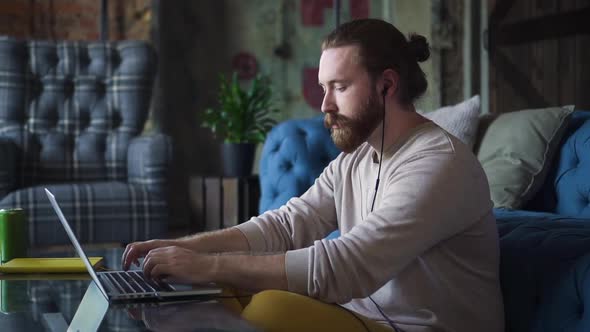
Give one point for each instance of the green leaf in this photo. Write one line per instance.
(242, 116)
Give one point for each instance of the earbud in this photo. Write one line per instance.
(384, 92)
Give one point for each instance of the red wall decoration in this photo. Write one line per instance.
(312, 15)
(359, 8)
(312, 11)
(245, 65)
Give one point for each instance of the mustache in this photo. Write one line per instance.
(334, 119)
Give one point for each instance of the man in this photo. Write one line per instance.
(418, 249)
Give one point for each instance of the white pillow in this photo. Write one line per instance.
(459, 120)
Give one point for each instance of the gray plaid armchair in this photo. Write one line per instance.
(71, 114)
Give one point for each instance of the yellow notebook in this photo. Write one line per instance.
(48, 265)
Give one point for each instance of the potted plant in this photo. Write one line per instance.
(242, 120)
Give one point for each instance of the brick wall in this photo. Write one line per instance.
(74, 19)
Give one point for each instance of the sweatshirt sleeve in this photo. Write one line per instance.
(297, 223)
(425, 201)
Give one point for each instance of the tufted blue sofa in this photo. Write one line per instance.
(545, 248)
(71, 114)
(293, 156)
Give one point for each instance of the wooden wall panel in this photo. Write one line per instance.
(452, 57)
(544, 55)
(541, 73)
(567, 61)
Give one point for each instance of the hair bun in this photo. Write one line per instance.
(419, 47)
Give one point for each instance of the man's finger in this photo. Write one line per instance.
(164, 249)
(151, 260)
(124, 256)
(132, 254)
(160, 271)
(124, 263)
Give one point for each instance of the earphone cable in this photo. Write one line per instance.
(391, 323)
(380, 156)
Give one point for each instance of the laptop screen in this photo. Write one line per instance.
(75, 242)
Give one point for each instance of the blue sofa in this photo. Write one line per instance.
(545, 248)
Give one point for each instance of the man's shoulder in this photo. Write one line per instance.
(428, 140)
(435, 143)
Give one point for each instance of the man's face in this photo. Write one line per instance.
(351, 103)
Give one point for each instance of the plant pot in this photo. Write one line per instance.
(238, 158)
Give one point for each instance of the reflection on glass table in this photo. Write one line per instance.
(162, 316)
(51, 302)
(38, 302)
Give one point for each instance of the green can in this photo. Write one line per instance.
(13, 234)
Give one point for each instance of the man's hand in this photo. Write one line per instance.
(193, 260)
(136, 250)
(177, 264)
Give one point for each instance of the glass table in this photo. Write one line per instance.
(60, 302)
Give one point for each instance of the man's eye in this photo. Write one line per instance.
(341, 88)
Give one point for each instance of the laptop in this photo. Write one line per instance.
(131, 286)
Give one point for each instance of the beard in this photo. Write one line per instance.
(354, 131)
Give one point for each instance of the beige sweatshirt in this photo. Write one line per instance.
(428, 254)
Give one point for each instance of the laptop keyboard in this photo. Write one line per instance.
(131, 282)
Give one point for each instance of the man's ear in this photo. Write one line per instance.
(390, 82)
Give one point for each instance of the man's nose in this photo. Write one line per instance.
(328, 104)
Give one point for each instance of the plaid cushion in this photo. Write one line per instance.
(148, 161)
(70, 118)
(72, 107)
(8, 153)
(97, 212)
